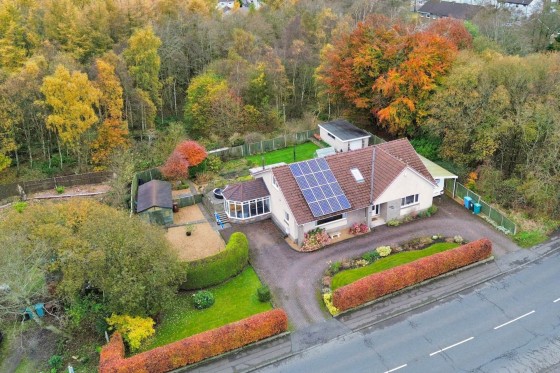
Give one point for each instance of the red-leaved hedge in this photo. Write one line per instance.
(195, 348)
(379, 284)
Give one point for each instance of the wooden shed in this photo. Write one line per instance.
(155, 203)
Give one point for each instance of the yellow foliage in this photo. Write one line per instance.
(327, 298)
(134, 329)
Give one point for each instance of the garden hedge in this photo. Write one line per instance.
(195, 348)
(379, 284)
(216, 269)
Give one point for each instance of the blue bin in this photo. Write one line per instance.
(40, 309)
(477, 207)
(467, 202)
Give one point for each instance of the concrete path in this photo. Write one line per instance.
(294, 277)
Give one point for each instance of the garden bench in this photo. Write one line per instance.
(334, 234)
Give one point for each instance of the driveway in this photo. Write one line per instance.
(294, 277)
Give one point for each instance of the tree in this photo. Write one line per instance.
(143, 63)
(70, 97)
(113, 131)
(192, 152)
(386, 70)
(453, 30)
(176, 167)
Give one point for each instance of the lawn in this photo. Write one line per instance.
(394, 260)
(303, 152)
(235, 300)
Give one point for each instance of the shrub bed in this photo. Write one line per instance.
(379, 284)
(216, 269)
(193, 349)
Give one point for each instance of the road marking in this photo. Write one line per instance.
(397, 368)
(517, 318)
(557, 300)
(454, 345)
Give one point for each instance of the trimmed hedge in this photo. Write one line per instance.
(216, 269)
(195, 348)
(379, 284)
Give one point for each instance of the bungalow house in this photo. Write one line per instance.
(438, 9)
(343, 136)
(336, 191)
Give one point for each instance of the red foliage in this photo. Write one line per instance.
(193, 349)
(176, 167)
(379, 284)
(453, 30)
(192, 151)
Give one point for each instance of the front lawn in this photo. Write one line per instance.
(393, 260)
(235, 300)
(303, 152)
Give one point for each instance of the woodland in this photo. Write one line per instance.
(116, 84)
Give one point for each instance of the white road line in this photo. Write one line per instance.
(517, 318)
(557, 300)
(397, 368)
(454, 345)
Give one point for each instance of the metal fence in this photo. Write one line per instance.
(374, 140)
(264, 146)
(495, 217)
(188, 200)
(33, 186)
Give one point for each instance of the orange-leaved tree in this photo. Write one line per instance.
(452, 29)
(176, 167)
(192, 151)
(388, 69)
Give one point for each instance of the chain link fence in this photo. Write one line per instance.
(489, 213)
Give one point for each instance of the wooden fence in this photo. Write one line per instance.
(33, 186)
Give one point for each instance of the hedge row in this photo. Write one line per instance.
(216, 269)
(379, 284)
(195, 348)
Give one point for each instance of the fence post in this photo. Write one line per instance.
(454, 186)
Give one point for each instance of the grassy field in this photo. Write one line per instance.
(394, 260)
(235, 300)
(303, 152)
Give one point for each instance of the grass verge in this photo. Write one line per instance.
(303, 152)
(394, 260)
(528, 239)
(235, 300)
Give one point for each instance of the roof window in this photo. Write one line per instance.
(357, 175)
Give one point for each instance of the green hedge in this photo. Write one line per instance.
(216, 269)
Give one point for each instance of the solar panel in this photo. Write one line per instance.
(319, 186)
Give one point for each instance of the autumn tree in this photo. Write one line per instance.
(192, 152)
(113, 131)
(176, 167)
(386, 70)
(452, 29)
(70, 97)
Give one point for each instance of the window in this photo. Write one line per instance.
(331, 135)
(409, 200)
(357, 175)
(286, 217)
(247, 209)
(275, 183)
(332, 218)
(375, 210)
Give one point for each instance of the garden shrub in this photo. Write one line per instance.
(195, 348)
(134, 329)
(216, 269)
(382, 283)
(20, 206)
(394, 223)
(334, 268)
(59, 189)
(315, 239)
(55, 362)
(327, 298)
(371, 256)
(203, 299)
(358, 228)
(263, 293)
(383, 251)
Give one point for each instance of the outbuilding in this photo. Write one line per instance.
(155, 202)
(343, 136)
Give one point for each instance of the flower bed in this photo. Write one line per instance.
(193, 349)
(315, 239)
(379, 284)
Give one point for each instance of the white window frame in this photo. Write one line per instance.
(357, 175)
(286, 217)
(275, 182)
(376, 210)
(239, 207)
(415, 199)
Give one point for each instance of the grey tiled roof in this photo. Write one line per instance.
(155, 193)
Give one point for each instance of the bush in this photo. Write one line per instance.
(134, 329)
(203, 299)
(382, 283)
(393, 223)
(334, 268)
(383, 251)
(263, 293)
(55, 362)
(59, 189)
(213, 164)
(327, 298)
(431, 210)
(20, 206)
(195, 348)
(371, 256)
(216, 269)
(315, 239)
(458, 239)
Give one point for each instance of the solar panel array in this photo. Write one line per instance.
(320, 188)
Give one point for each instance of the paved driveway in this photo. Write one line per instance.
(294, 277)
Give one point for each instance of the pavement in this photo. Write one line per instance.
(306, 339)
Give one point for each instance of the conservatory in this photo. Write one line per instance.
(247, 201)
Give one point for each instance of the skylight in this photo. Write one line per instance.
(357, 175)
